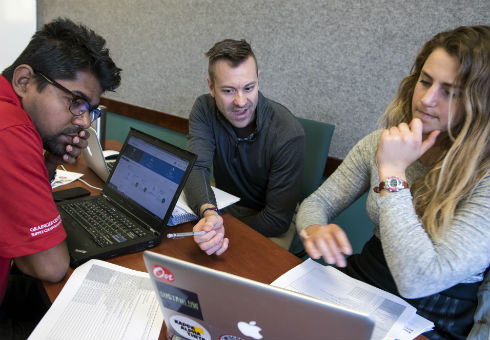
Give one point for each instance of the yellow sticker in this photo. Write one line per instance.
(189, 328)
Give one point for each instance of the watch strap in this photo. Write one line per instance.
(210, 208)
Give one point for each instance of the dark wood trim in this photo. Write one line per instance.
(158, 118)
(175, 123)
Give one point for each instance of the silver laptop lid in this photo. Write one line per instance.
(202, 303)
(94, 157)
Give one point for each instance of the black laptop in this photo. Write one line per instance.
(136, 202)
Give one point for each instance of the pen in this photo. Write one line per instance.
(180, 235)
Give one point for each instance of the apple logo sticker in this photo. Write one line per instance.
(250, 329)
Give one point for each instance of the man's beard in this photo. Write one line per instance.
(53, 146)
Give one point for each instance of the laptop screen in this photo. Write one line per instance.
(148, 176)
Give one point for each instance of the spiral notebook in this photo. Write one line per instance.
(182, 213)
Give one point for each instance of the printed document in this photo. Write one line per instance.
(64, 177)
(394, 318)
(103, 301)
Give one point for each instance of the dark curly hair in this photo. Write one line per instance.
(62, 48)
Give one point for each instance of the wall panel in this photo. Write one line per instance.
(337, 61)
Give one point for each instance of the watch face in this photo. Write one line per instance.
(393, 183)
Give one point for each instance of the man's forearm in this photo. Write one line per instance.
(198, 192)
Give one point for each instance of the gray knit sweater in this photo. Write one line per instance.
(419, 265)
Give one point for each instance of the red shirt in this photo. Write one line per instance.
(29, 220)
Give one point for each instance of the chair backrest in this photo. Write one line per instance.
(318, 137)
(117, 127)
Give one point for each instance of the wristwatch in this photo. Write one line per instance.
(392, 184)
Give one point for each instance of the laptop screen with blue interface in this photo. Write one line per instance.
(148, 176)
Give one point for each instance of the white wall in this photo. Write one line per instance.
(17, 25)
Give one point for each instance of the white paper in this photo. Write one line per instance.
(108, 153)
(64, 177)
(417, 325)
(390, 313)
(223, 199)
(103, 301)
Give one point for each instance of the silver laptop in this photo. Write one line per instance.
(202, 303)
(94, 157)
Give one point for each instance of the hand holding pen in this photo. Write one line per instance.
(180, 235)
(214, 240)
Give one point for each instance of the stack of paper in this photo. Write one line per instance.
(394, 318)
(103, 301)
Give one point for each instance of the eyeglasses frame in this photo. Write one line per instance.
(93, 112)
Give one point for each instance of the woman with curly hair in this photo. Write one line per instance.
(428, 176)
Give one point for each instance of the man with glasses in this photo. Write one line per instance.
(48, 98)
(255, 146)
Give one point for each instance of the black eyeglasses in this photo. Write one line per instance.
(78, 105)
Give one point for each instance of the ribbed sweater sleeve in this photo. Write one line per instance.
(420, 265)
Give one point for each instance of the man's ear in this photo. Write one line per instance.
(211, 86)
(22, 78)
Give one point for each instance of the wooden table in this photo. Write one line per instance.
(249, 255)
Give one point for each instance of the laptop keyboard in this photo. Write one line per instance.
(105, 224)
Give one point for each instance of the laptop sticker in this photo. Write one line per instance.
(230, 337)
(162, 273)
(180, 300)
(189, 328)
(250, 329)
